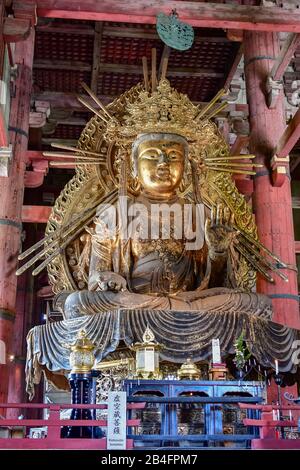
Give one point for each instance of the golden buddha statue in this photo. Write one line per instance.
(152, 268)
(153, 231)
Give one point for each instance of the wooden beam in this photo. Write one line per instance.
(33, 179)
(25, 10)
(206, 15)
(286, 53)
(36, 214)
(289, 137)
(69, 142)
(294, 162)
(73, 65)
(16, 29)
(240, 142)
(3, 130)
(62, 100)
(234, 67)
(46, 64)
(117, 31)
(69, 100)
(96, 55)
(65, 28)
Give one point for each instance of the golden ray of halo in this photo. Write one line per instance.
(74, 149)
(88, 162)
(227, 170)
(206, 108)
(235, 157)
(235, 165)
(57, 155)
(217, 110)
(96, 99)
(90, 107)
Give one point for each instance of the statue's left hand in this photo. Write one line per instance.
(219, 231)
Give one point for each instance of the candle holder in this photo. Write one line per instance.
(278, 379)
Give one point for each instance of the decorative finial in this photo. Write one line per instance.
(82, 353)
(148, 336)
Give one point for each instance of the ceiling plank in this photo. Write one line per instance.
(208, 15)
(117, 31)
(96, 55)
(74, 65)
(16, 29)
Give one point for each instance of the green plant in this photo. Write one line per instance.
(241, 352)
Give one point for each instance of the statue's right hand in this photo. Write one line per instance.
(110, 281)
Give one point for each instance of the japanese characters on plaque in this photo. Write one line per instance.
(116, 421)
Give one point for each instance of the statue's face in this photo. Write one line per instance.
(160, 166)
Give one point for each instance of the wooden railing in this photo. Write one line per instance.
(272, 426)
(213, 437)
(54, 424)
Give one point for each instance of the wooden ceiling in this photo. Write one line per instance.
(108, 57)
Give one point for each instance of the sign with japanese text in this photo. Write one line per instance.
(116, 421)
(216, 353)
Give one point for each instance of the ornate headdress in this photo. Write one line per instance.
(162, 111)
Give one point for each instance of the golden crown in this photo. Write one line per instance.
(165, 110)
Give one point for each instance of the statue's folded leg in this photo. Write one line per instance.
(92, 302)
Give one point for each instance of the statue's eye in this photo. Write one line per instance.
(151, 154)
(173, 155)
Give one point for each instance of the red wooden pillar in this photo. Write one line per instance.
(11, 200)
(272, 205)
(16, 391)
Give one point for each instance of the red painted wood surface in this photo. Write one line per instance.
(286, 53)
(289, 137)
(277, 444)
(272, 205)
(16, 29)
(11, 201)
(36, 214)
(269, 437)
(16, 390)
(54, 425)
(3, 130)
(208, 15)
(2, 44)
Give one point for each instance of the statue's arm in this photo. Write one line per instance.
(219, 237)
(101, 260)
